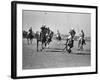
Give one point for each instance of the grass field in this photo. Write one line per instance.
(54, 56)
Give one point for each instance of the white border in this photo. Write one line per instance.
(34, 72)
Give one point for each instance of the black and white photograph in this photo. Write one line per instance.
(53, 39)
(56, 39)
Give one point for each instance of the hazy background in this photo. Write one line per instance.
(57, 21)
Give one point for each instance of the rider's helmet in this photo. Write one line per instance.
(58, 32)
(44, 25)
(81, 30)
(72, 28)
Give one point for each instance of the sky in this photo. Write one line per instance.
(62, 21)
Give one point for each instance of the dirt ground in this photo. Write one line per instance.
(54, 56)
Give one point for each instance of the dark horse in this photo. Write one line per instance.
(45, 37)
(70, 41)
(69, 44)
(25, 34)
(58, 38)
(29, 36)
(49, 37)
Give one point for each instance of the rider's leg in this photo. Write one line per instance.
(37, 45)
(42, 46)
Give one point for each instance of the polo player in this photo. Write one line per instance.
(72, 35)
(81, 39)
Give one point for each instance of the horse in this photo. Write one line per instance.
(69, 44)
(44, 37)
(81, 42)
(58, 38)
(49, 37)
(28, 36)
(41, 37)
(24, 34)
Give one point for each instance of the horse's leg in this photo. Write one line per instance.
(31, 40)
(48, 44)
(82, 45)
(45, 44)
(37, 45)
(65, 46)
(28, 41)
(78, 44)
(42, 46)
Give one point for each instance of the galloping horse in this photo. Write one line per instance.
(24, 34)
(69, 44)
(29, 36)
(44, 37)
(49, 37)
(70, 41)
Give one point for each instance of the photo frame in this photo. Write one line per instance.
(22, 15)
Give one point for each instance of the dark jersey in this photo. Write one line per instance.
(72, 32)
